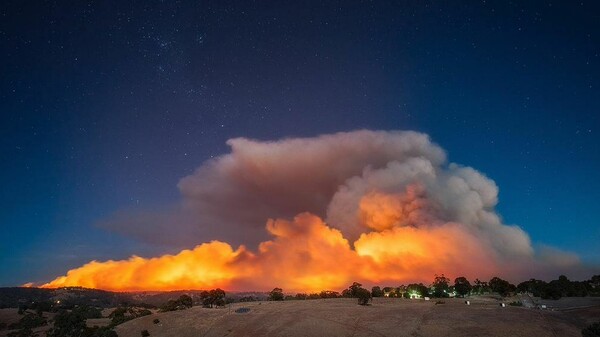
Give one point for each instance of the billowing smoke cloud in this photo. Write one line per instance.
(231, 197)
(393, 210)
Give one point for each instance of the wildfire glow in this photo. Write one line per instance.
(305, 255)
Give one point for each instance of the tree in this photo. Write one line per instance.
(353, 289)
(501, 286)
(376, 292)
(440, 286)
(118, 316)
(480, 286)
(593, 284)
(214, 297)
(357, 291)
(462, 286)
(416, 289)
(570, 288)
(551, 291)
(536, 287)
(301, 296)
(400, 291)
(329, 294)
(205, 298)
(276, 294)
(183, 302)
(363, 295)
(314, 296)
(218, 297)
(186, 301)
(70, 324)
(247, 299)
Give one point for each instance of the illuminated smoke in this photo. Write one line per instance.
(394, 212)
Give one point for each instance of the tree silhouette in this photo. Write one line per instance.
(462, 286)
(501, 286)
(214, 297)
(276, 294)
(363, 295)
(376, 292)
(440, 286)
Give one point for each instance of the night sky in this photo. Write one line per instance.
(105, 105)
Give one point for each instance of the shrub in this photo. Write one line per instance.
(144, 312)
(124, 314)
(145, 333)
(183, 302)
(591, 331)
(156, 321)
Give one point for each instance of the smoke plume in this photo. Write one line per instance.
(371, 206)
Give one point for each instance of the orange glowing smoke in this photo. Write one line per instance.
(305, 255)
(207, 265)
(396, 212)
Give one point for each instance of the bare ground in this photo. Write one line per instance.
(385, 317)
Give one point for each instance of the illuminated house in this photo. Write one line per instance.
(414, 295)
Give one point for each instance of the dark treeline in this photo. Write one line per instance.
(442, 287)
(561, 287)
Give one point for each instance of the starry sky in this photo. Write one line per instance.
(105, 105)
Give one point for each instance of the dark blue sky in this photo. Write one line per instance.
(106, 105)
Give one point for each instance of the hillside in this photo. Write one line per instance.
(14, 297)
(343, 317)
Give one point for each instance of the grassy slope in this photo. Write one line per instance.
(343, 317)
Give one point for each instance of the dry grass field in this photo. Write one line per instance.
(385, 317)
(343, 317)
